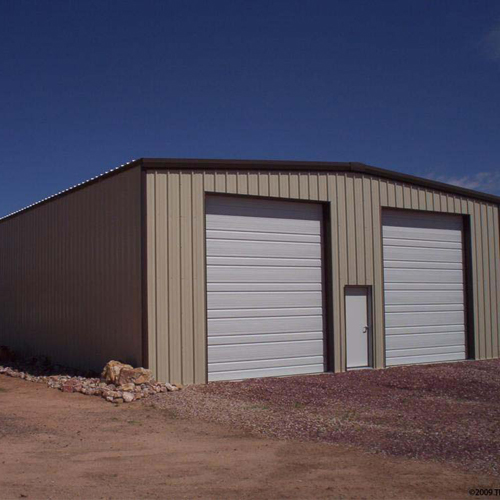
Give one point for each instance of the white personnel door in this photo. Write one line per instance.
(357, 327)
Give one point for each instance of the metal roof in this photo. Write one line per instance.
(278, 165)
(72, 188)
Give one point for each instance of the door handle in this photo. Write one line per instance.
(366, 329)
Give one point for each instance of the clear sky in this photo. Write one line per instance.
(409, 85)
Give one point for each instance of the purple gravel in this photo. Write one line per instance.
(447, 412)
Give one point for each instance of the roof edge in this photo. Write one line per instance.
(355, 167)
(427, 183)
(221, 164)
(72, 189)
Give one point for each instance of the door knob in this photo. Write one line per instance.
(365, 329)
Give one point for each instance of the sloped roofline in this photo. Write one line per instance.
(277, 165)
(315, 166)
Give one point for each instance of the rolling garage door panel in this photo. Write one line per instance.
(262, 274)
(265, 350)
(264, 288)
(439, 276)
(252, 248)
(263, 301)
(277, 324)
(418, 257)
(223, 373)
(424, 288)
(429, 319)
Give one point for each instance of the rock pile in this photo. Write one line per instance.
(119, 383)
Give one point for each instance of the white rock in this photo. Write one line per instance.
(128, 397)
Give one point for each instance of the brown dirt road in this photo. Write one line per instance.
(61, 446)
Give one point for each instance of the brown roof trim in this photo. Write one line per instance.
(191, 163)
(280, 165)
(354, 167)
(426, 183)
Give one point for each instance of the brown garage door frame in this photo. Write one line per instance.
(326, 256)
(470, 345)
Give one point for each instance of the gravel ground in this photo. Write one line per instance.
(447, 412)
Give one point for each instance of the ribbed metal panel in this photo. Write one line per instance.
(70, 275)
(176, 263)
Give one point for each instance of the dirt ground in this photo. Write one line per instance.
(60, 446)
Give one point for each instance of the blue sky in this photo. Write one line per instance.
(88, 85)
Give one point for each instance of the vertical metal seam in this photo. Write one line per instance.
(496, 228)
(483, 272)
(477, 229)
(376, 320)
(156, 269)
(205, 291)
(475, 270)
(382, 338)
(167, 277)
(362, 228)
(355, 252)
(497, 267)
(193, 374)
(489, 356)
(181, 259)
(341, 300)
(143, 270)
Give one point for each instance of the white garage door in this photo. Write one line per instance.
(264, 288)
(424, 287)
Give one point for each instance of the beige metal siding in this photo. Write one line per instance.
(176, 255)
(70, 275)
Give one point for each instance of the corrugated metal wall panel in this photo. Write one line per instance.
(174, 307)
(151, 249)
(70, 276)
(355, 201)
(199, 278)
(486, 282)
(187, 339)
(378, 336)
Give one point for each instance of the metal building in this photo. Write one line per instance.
(218, 270)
